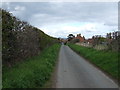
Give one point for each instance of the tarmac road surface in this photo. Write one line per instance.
(75, 72)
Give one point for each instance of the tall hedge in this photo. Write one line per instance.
(21, 40)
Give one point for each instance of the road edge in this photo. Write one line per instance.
(106, 73)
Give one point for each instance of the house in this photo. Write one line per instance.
(89, 41)
(80, 38)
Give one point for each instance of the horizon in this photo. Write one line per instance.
(59, 19)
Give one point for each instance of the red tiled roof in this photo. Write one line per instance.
(80, 38)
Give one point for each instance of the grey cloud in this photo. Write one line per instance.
(67, 11)
(42, 14)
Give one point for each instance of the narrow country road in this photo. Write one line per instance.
(75, 72)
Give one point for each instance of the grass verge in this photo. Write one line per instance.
(32, 73)
(105, 60)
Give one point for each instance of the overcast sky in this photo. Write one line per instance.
(58, 19)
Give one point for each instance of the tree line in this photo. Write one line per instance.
(21, 40)
(112, 40)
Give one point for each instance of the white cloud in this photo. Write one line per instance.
(19, 8)
(18, 11)
(60, 19)
(6, 5)
(87, 29)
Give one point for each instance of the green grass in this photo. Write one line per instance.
(32, 73)
(106, 60)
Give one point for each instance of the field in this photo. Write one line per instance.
(105, 60)
(33, 72)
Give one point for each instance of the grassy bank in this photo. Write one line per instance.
(32, 73)
(106, 60)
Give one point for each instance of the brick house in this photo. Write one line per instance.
(80, 38)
